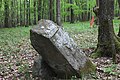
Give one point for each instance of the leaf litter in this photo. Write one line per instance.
(17, 60)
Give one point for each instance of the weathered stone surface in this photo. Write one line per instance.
(58, 49)
(41, 70)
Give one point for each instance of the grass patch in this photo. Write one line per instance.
(10, 37)
(16, 50)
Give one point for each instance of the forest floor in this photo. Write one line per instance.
(17, 54)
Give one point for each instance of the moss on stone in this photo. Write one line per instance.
(88, 68)
(96, 54)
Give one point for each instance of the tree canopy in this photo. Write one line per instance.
(24, 12)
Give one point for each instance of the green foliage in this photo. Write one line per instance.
(81, 8)
(10, 37)
(116, 25)
(111, 69)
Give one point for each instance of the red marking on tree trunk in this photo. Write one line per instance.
(92, 22)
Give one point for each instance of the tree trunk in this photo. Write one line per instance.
(17, 13)
(51, 10)
(95, 10)
(58, 15)
(24, 13)
(72, 13)
(39, 9)
(43, 4)
(15, 18)
(20, 13)
(107, 41)
(27, 13)
(34, 12)
(119, 3)
(46, 9)
(6, 13)
(12, 13)
(97, 2)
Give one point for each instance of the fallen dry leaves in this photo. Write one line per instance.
(17, 65)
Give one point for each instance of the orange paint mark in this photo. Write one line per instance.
(92, 22)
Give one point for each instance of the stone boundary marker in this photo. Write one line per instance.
(60, 56)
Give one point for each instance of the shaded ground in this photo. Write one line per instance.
(17, 54)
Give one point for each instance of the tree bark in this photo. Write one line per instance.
(71, 12)
(34, 12)
(54, 11)
(27, 13)
(6, 13)
(97, 2)
(39, 9)
(95, 10)
(12, 13)
(58, 14)
(24, 13)
(51, 10)
(17, 13)
(107, 42)
(43, 9)
(21, 13)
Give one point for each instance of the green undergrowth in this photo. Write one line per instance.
(78, 27)
(12, 38)
(80, 31)
(116, 25)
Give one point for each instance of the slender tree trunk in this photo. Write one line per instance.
(20, 13)
(12, 14)
(68, 11)
(51, 10)
(34, 12)
(24, 13)
(46, 9)
(43, 9)
(97, 2)
(72, 12)
(119, 3)
(58, 15)
(6, 13)
(17, 13)
(39, 9)
(95, 10)
(29, 13)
